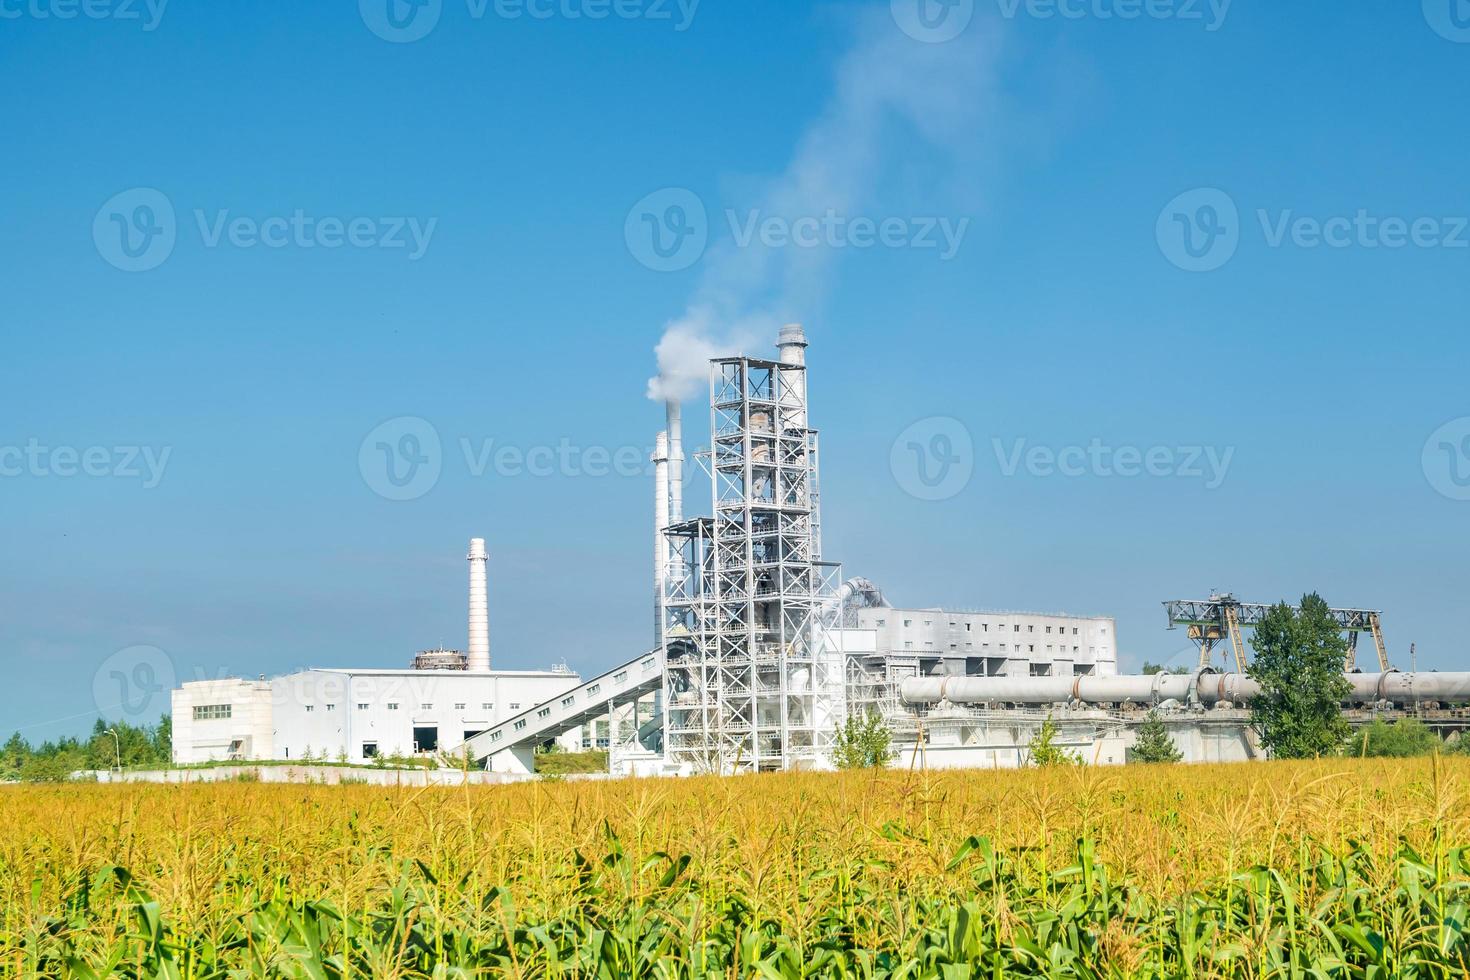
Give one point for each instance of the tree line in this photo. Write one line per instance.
(109, 744)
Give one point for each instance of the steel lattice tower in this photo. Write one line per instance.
(751, 683)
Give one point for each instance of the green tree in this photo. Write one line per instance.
(863, 742)
(1150, 669)
(1299, 665)
(1044, 751)
(1153, 743)
(1400, 740)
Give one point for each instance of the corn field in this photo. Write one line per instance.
(1331, 869)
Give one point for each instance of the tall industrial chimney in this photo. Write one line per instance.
(676, 460)
(479, 655)
(660, 542)
(792, 344)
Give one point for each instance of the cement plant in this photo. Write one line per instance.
(761, 649)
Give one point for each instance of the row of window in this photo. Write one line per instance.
(985, 627)
(393, 706)
(213, 712)
(1004, 648)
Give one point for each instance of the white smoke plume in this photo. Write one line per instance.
(892, 95)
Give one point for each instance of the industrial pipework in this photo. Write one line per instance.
(1203, 687)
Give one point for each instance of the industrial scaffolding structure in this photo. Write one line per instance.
(752, 682)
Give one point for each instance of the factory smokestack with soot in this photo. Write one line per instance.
(479, 653)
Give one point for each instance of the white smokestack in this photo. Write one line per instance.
(479, 654)
(792, 344)
(660, 522)
(676, 460)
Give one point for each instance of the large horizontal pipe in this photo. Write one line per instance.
(1205, 687)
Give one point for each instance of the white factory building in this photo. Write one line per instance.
(929, 642)
(353, 715)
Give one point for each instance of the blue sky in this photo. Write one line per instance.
(1074, 152)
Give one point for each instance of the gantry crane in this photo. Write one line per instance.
(1222, 617)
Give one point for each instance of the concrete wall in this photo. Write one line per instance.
(326, 775)
(957, 739)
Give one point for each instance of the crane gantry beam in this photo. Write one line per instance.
(1223, 617)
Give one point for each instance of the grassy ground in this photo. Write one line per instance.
(1341, 868)
(570, 763)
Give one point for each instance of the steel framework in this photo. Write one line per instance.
(1222, 617)
(751, 683)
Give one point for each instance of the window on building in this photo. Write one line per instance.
(1031, 648)
(426, 707)
(908, 644)
(520, 724)
(882, 622)
(1030, 628)
(620, 676)
(544, 713)
(369, 750)
(310, 708)
(1074, 631)
(967, 627)
(362, 706)
(473, 733)
(487, 706)
(1048, 629)
(1017, 628)
(515, 706)
(908, 622)
(459, 707)
(592, 691)
(425, 739)
(392, 705)
(928, 622)
(568, 701)
(213, 712)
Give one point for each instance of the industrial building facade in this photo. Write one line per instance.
(353, 715)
